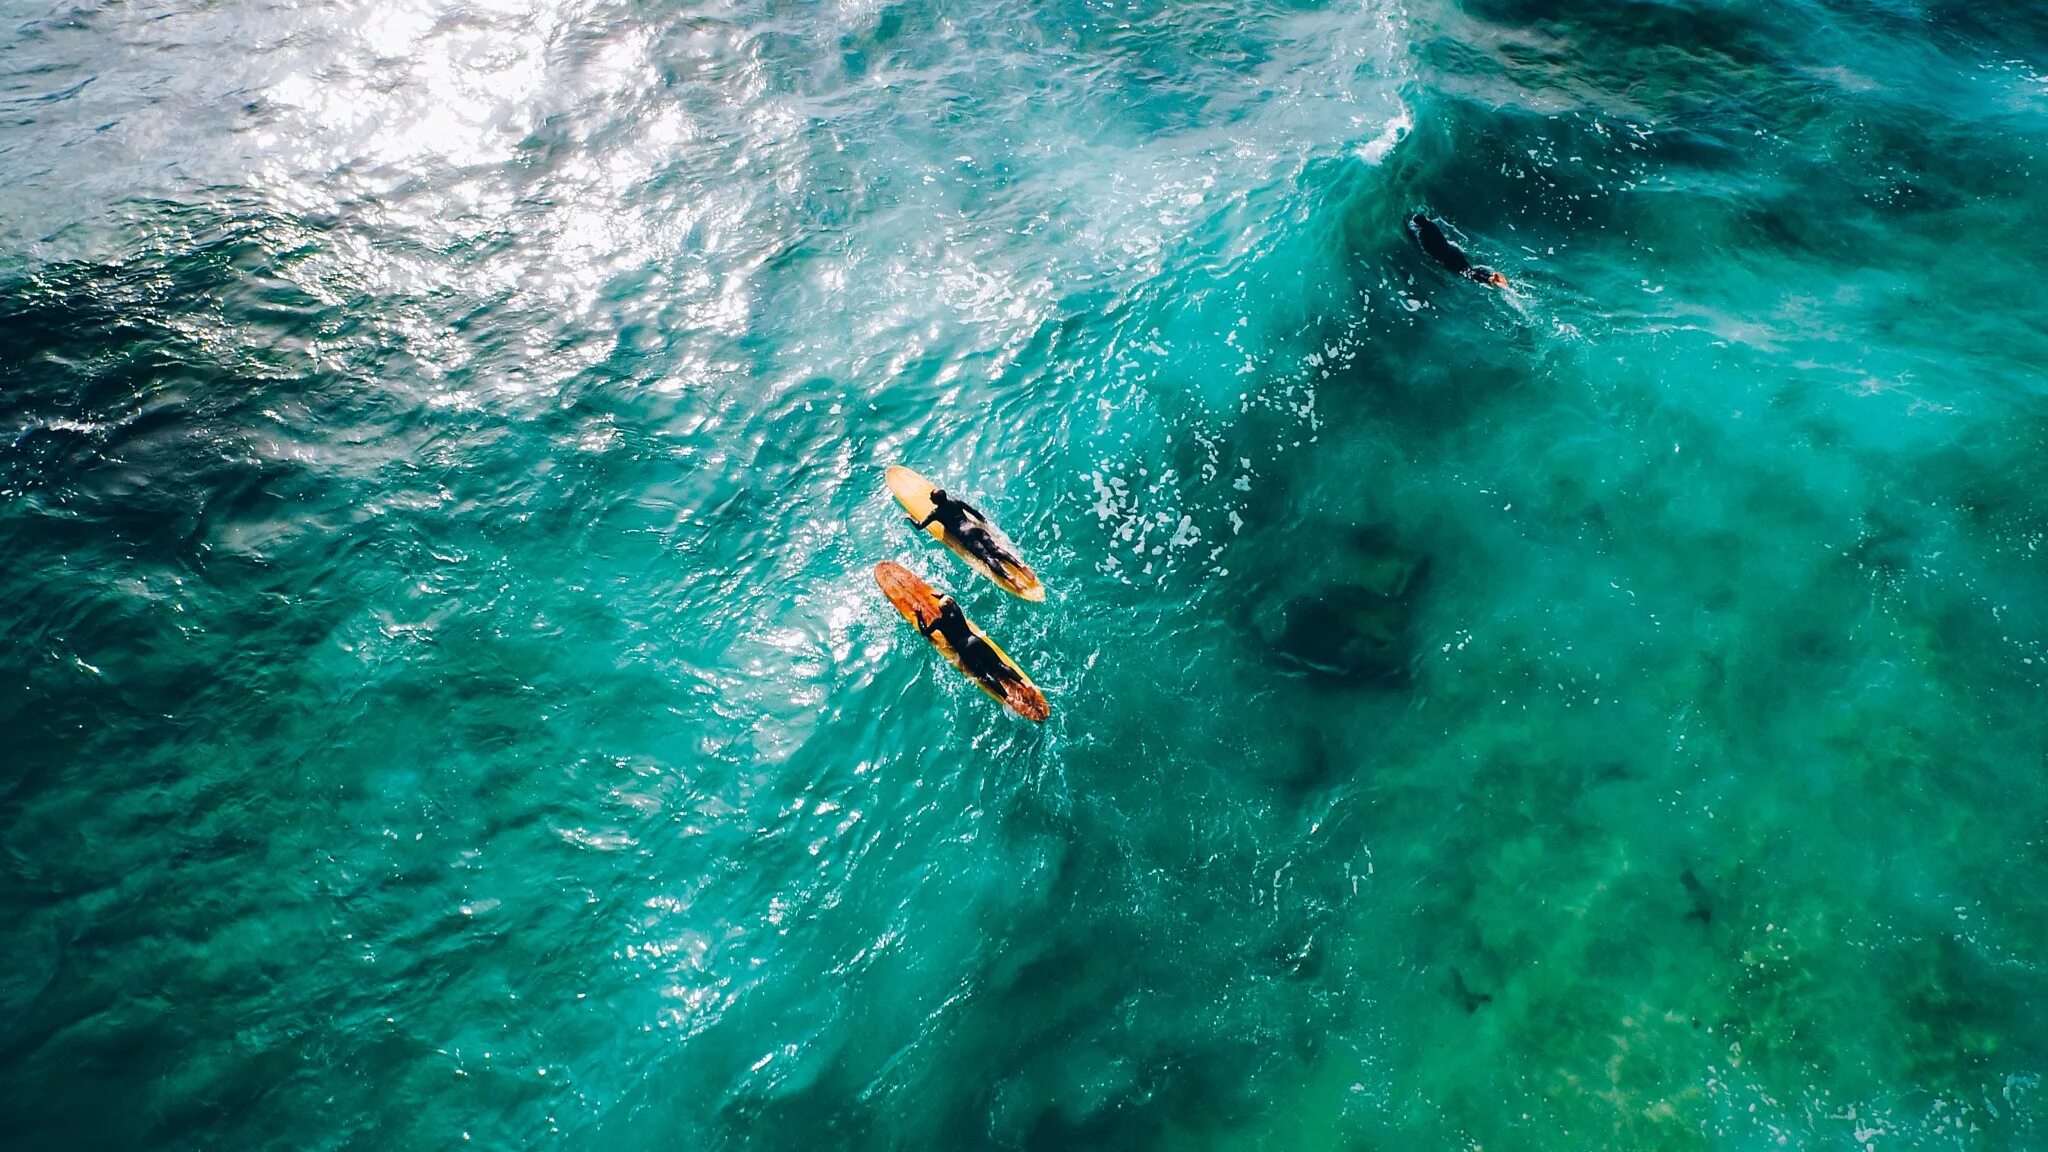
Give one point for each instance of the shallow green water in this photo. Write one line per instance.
(446, 701)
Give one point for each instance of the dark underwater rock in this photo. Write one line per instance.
(1360, 630)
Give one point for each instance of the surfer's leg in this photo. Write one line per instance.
(984, 545)
(988, 667)
(977, 656)
(1487, 276)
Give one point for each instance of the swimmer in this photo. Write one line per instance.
(1448, 254)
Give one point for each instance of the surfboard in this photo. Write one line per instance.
(920, 605)
(914, 492)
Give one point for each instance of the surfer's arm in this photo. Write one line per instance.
(971, 510)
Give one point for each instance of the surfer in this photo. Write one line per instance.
(977, 655)
(939, 620)
(1448, 254)
(965, 523)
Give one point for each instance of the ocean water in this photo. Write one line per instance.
(446, 703)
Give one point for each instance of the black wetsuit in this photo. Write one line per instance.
(964, 522)
(1442, 250)
(976, 655)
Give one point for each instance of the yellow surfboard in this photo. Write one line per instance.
(920, 605)
(914, 492)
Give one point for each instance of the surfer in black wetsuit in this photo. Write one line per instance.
(976, 654)
(965, 523)
(1448, 254)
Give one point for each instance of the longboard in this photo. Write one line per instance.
(914, 492)
(920, 605)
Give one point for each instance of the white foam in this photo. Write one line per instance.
(1376, 150)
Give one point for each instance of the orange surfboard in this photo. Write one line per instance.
(914, 492)
(920, 605)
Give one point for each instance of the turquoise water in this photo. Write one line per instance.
(446, 701)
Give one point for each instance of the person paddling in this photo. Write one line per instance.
(977, 655)
(1448, 254)
(965, 523)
